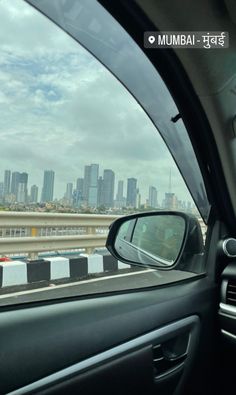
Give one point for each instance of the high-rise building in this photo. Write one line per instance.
(170, 201)
(69, 192)
(152, 197)
(80, 185)
(93, 186)
(120, 200)
(7, 181)
(100, 191)
(79, 192)
(15, 178)
(108, 188)
(87, 176)
(120, 190)
(22, 190)
(34, 194)
(48, 186)
(131, 192)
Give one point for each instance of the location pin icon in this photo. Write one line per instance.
(151, 39)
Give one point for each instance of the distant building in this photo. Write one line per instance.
(100, 191)
(120, 190)
(15, 179)
(22, 191)
(120, 200)
(7, 181)
(48, 186)
(87, 176)
(108, 188)
(93, 186)
(131, 192)
(34, 194)
(170, 201)
(152, 197)
(69, 193)
(79, 198)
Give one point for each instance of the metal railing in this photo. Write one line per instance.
(91, 232)
(31, 233)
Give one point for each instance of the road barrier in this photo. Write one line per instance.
(36, 232)
(91, 232)
(16, 273)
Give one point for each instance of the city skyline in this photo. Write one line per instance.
(92, 190)
(36, 178)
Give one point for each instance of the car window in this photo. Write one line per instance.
(78, 149)
(89, 23)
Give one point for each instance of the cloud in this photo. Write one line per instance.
(61, 109)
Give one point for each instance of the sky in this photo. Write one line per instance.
(61, 109)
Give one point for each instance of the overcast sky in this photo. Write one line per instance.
(61, 109)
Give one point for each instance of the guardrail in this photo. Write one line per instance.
(10, 219)
(41, 231)
(89, 224)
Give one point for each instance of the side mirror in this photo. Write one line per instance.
(158, 239)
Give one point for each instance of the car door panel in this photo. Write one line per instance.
(54, 337)
(131, 366)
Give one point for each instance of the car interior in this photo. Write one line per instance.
(177, 337)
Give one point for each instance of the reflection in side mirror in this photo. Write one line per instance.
(156, 239)
(151, 238)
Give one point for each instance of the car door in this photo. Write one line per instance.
(137, 330)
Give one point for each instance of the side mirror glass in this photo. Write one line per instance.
(154, 239)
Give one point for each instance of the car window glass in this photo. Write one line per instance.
(97, 31)
(77, 150)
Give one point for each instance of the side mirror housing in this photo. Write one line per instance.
(158, 239)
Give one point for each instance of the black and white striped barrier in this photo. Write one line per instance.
(56, 268)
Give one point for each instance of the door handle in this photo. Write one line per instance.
(170, 354)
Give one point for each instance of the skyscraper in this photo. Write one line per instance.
(80, 185)
(131, 192)
(108, 188)
(7, 180)
(48, 186)
(22, 190)
(152, 197)
(120, 190)
(100, 191)
(120, 201)
(93, 185)
(15, 178)
(34, 194)
(79, 192)
(170, 201)
(87, 176)
(68, 194)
